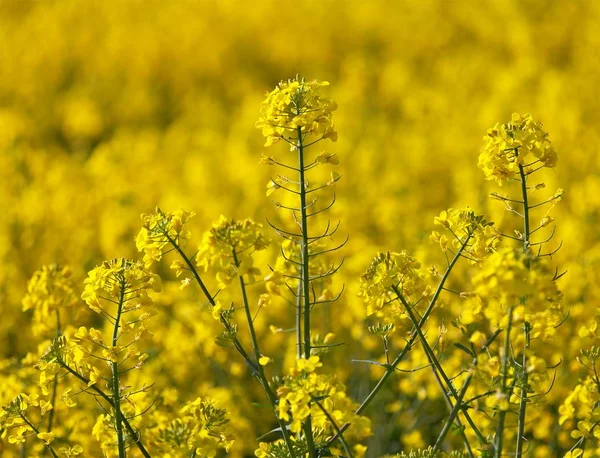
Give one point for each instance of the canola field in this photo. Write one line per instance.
(368, 229)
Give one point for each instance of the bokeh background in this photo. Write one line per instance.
(109, 108)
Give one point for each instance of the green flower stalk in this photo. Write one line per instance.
(295, 112)
(514, 152)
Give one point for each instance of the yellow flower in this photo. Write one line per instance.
(228, 247)
(161, 229)
(49, 290)
(264, 360)
(46, 437)
(520, 142)
(296, 105)
(463, 222)
(388, 270)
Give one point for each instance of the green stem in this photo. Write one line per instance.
(236, 342)
(256, 368)
(502, 415)
(436, 366)
(335, 428)
(37, 431)
(299, 298)
(453, 414)
(115, 374)
(523, 395)
(527, 231)
(55, 381)
(392, 367)
(255, 346)
(110, 402)
(312, 452)
(461, 429)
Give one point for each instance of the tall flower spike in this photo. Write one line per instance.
(296, 113)
(297, 103)
(522, 141)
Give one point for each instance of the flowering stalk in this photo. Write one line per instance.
(438, 369)
(292, 112)
(305, 279)
(513, 151)
(256, 368)
(132, 433)
(390, 369)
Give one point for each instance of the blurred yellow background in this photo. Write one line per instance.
(108, 108)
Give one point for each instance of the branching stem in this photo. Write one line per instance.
(392, 368)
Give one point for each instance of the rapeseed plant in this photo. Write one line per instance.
(481, 350)
(512, 287)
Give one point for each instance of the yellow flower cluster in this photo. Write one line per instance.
(49, 290)
(470, 233)
(580, 410)
(201, 429)
(389, 270)
(520, 142)
(119, 281)
(159, 230)
(174, 125)
(305, 393)
(228, 248)
(16, 419)
(296, 106)
(509, 278)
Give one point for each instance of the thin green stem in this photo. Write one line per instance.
(116, 391)
(299, 320)
(392, 367)
(505, 358)
(436, 366)
(459, 424)
(526, 227)
(37, 431)
(523, 396)
(55, 381)
(237, 344)
(335, 428)
(110, 402)
(526, 329)
(256, 367)
(312, 451)
(254, 340)
(453, 414)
